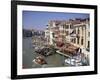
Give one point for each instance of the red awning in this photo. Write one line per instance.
(59, 44)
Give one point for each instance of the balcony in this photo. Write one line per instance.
(73, 35)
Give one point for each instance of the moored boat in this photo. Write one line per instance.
(39, 60)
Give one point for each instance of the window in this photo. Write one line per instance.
(67, 33)
(71, 27)
(88, 44)
(53, 35)
(88, 34)
(74, 31)
(67, 26)
(78, 31)
(82, 30)
(82, 41)
(74, 40)
(78, 40)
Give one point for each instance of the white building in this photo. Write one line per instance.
(76, 32)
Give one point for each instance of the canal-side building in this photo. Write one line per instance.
(38, 37)
(47, 35)
(54, 32)
(76, 32)
(80, 35)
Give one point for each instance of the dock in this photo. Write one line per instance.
(63, 54)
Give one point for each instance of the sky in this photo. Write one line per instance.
(38, 20)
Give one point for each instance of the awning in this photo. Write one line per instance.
(69, 49)
(59, 44)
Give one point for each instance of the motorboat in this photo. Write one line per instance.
(39, 60)
(70, 62)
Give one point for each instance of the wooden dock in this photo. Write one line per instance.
(63, 54)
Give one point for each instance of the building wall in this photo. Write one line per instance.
(80, 32)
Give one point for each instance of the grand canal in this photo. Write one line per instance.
(55, 60)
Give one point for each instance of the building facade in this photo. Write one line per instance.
(76, 32)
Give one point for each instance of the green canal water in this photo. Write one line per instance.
(55, 60)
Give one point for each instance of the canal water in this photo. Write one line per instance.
(55, 60)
